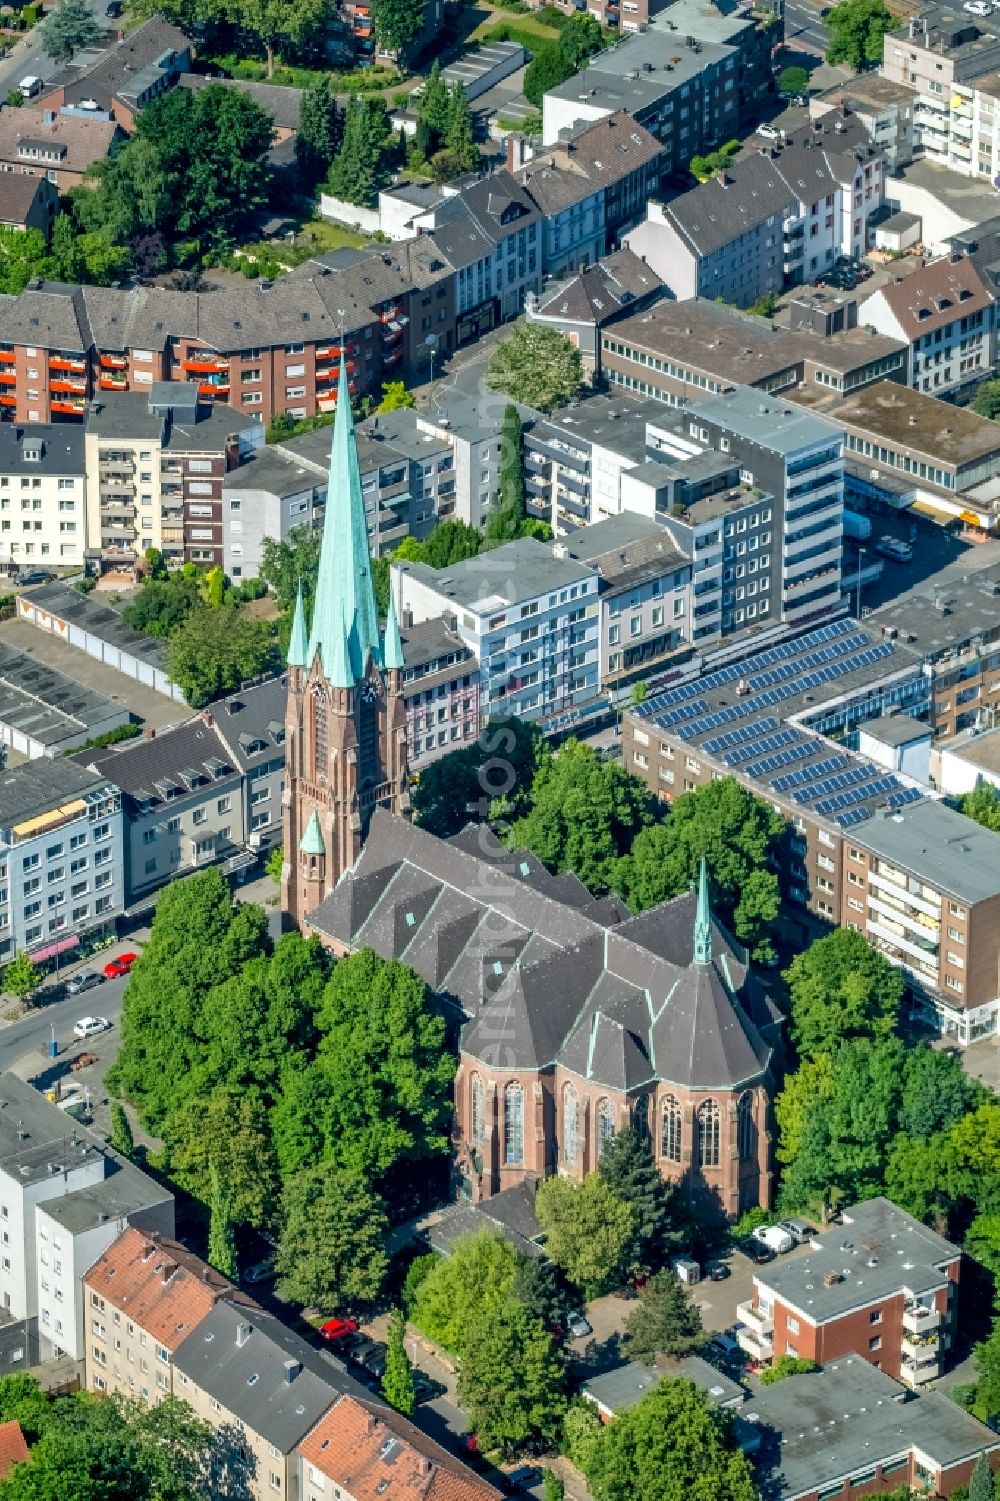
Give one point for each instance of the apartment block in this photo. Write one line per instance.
(142, 64)
(43, 514)
(64, 1197)
(885, 108)
(268, 495)
(61, 148)
(878, 1284)
(580, 307)
(950, 59)
(143, 1296)
(491, 234)
(529, 617)
(61, 858)
(945, 312)
(208, 791)
(440, 691)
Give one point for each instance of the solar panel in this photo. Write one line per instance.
(771, 764)
(852, 817)
(856, 795)
(762, 747)
(738, 737)
(908, 795)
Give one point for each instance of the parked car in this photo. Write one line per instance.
(758, 1252)
(724, 1344)
(524, 1477)
(799, 1230)
(769, 132)
(84, 979)
(30, 86)
(577, 1325)
(90, 1026)
(899, 552)
(775, 1237)
(261, 1271)
(116, 968)
(337, 1329)
(113, 9)
(425, 1388)
(717, 1271)
(373, 1360)
(34, 575)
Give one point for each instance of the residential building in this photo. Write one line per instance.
(529, 616)
(361, 1448)
(144, 1295)
(261, 1388)
(207, 791)
(591, 186)
(885, 108)
(27, 202)
(945, 313)
(879, 1284)
(64, 1197)
(645, 596)
(491, 234)
(61, 858)
(968, 761)
(769, 735)
(345, 720)
(268, 495)
(579, 1019)
(582, 306)
(59, 147)
(45, 713)
(144, 63)
(43, 510)
(155, 468)
(440, 691)
(770, 221)
(625, 1386)
(850, 1430)
(13, 1448)
(283, 104)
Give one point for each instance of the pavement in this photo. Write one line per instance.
(28, 58)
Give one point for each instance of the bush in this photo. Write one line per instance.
(117, 736)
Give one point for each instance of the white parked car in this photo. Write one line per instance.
(770, 133)
(976, 7)
(89, 1026)
(774, 1236)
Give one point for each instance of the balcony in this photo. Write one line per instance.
(921, 1347)
(6, 356)
(113, 383)
(8, 401)
(390, 358)
(114, 362)
(69, 408)
(919, 1319)
(7, 378)
(759, 1320)
(207, 365)
(919, 946)
(213, 388)
(60, 362)
(930, 906)
(916, 1373)
(927, 933)
(73, 387)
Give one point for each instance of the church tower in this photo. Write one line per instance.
(345, 727)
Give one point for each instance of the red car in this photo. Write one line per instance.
(335, 1329)
(116, 968)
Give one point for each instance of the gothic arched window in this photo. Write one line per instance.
(571, 1123)
(709, 1133)
(670, 1135)
(605, 1125)
(319, 736)
(513, 1125)
(744, 1128)
(478, 1110)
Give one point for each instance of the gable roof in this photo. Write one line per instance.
(377, 1455)
(18, 192)
(80, 141)
(541, 973)
(934, 296)
(13, 1448)
(601, 292)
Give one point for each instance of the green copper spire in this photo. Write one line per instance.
(311, 842)
(392, 647)
(344, 624)
(703, 920)
(297, 646)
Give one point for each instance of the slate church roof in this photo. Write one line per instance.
(544, 973)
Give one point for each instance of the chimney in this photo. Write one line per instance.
(208, 719)
(169, 1268)
(291, 1369)
(148, 732)
(243, 1333)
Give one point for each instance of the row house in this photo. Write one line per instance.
(945, 312)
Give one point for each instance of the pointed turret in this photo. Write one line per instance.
(311, 842)
(298, 644)
(703, 920)
(344, 624)
(392, 646)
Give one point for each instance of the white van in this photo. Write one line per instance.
(774, 1236)
(30, 86)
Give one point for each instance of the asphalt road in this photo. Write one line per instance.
(33, 1034)
(804, 29)
(28, 58)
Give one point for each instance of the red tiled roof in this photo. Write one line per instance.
(13, 1449)
(377, 1455)
(160, 1285)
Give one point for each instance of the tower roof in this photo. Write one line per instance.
(703, 920)
(298, 644)
(392, 646)
(311, 842)
(344, 624)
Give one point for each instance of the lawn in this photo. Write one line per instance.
(319, 235)
(524, 29)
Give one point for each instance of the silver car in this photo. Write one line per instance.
(85, 979)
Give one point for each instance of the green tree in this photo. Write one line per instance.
(983, 803)
(275, 864)
(547, 70)
(120, 1130)
(841, 988)
(537, 365)
(736, 833)
(793, 80)
(433, 114)
(672, 1446)
(22, 977)
(937, 1092)
(67, 30)
(459, 136)
(580, 40)
(506, 520)
(629, 1169)
(553, 1486)
(474, 1281)
(213, 587)
(987, 401)
(225, 1133)
(512, 1380)
(360, 168)
(804, 1089)
(665, 1321)
(398, 23)
(221, 1241)
(584, 814)
(461, 786)
(22, 256)
(293, 561)
(856, 31)
(588, 1230)
(450, 542)
(787, 1365)
(395, 397)
(161, 606)
(276, 20)
(331, 1254)
(397, 1383)
(981, 1481)
(766, 306)
(987, 1360)
(317, 140)
(214, 651)
(23, 1401)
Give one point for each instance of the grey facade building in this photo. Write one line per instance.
(61, 857)
(580, 307)
(268, 496)
(440, 691)
(208, 791)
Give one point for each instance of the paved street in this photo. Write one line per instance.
(804, 29)
(28, 58)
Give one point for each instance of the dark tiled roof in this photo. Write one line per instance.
(17, 195)
(601, 292)
(619, 1004)
(938, 294)
(282, 104)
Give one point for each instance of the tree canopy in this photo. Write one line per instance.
(629, 1169)
(67, 30)
(398, 23)
(214, 650)
(588, 1230)
(459, 788)
(474, 1279)
(857, 28)
(841, 987)
(983, 803)
(331, 1255)
(512, 1380)
(665, 1321)
(537, 365)
(553, 62)
(360, 167)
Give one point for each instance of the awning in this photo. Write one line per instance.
(927, 508)
(52, 949)
(45, 820)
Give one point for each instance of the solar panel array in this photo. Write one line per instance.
(741, 736)
(821, 769)
(760, 746)
(761, 769)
